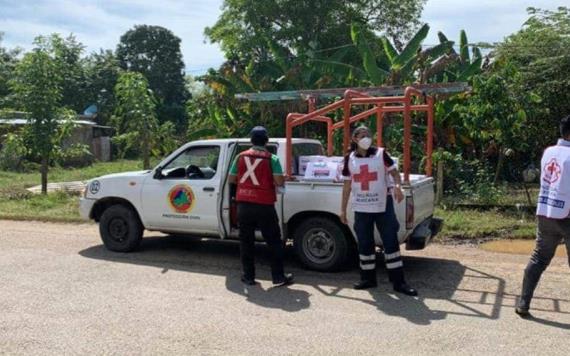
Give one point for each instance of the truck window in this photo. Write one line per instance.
(307, 149)
(198, 162)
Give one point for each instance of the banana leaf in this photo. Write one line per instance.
(406, 71)
(476, 53)
(375, 73)
(438, 50)
(464, 47)
(412, 47)
(443, 39)
(280, 55)
(390, 51)
(472, 69)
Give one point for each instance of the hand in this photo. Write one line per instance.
(343, 219)
(398, 194)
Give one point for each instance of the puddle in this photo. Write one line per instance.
(518, 247)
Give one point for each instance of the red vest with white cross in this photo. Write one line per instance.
(255, 178)
(368, 176)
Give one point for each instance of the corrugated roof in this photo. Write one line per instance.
(25, 122)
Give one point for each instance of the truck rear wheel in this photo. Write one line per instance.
(321, 244)
(120, 229)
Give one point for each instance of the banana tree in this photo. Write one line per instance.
(384, 64)
(462, 67)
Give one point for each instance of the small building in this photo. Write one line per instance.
(86, 131)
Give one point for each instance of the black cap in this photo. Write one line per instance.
(259, 132)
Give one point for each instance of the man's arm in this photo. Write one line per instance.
(277, 170)
(398, 194)
(278, 180)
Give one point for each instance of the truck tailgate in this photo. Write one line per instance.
(423, 194)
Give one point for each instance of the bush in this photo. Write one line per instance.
(14, 193)
(76, 155)
(12, 153)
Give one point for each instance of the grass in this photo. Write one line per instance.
(56, 207)
(26, 180)
(17, 203)
(475, 224)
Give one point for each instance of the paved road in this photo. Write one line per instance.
(63, 293)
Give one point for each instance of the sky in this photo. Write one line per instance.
(100, 23)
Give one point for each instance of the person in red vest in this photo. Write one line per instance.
(257, 173)
(553, 214)
(366, 175)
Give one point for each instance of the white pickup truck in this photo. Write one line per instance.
(188, 194)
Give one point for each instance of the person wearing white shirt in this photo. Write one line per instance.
(553, 214)
(365, 180)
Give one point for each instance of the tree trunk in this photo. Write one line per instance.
(500, 163)
(146, 152)
(146, 157)
(44, 173)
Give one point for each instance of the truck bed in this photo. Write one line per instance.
(326, 197)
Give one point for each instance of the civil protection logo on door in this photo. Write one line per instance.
(181, 199)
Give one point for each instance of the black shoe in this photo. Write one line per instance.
(365, 284)
(248, 281)
(286, 280)
(522, 312)
(404, 288)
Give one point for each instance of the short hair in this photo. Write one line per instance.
(360, 129)
(565, 127)
(259, 140)
(259, 136)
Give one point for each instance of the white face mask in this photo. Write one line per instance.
(365, 143)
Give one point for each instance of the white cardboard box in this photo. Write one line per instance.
(323, 171)
(305, 160)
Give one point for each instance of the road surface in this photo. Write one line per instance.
(63, 293)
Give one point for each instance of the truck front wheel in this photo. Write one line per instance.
(321, 244)
(120, 229)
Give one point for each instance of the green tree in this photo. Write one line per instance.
(8, 61)
(38, 86)
(244, 26)
(541, 52)
(67, 54)
(102, 72)
(494, 114)
(136, 113)
(155, 52)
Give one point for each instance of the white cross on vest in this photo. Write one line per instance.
(250, 173)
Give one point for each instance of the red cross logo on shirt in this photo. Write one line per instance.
(552, 171)
(365, 177)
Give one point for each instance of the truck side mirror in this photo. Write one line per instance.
(158, 173)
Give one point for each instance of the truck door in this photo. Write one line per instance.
(185, 195)
(229, 216)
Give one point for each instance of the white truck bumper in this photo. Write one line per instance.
(85, 206)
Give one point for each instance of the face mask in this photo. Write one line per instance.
(365, 143)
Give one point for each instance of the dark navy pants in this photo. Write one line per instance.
(388, 226)
(263, 217)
